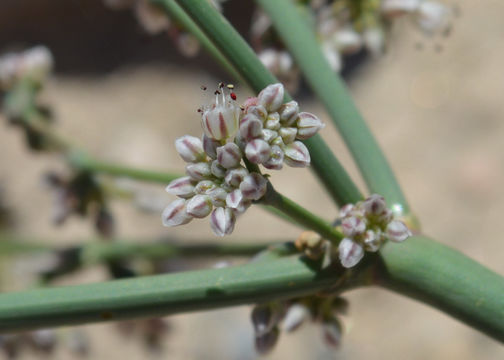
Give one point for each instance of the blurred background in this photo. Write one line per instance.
(124, 95)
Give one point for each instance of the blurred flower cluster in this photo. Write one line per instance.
(264, 130)
(271, 318)
(345, 27)
(154, 21)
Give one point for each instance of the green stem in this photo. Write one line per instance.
(301, 215)
(225, 38)
(163, 294)
(176, 13)
(330, 88)
(447, 280)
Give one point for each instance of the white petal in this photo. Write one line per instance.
(350, 253)
(175, 214)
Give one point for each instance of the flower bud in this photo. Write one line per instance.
(198, 171)
(266, 343)
(332, 331)
(222, 221)
(271, 97)
(374, 205)
(229, 155)
(218, 196)
(353, 226)
(199, 206)
(217, 169)
(236, 201)
(297, 155)
(397, 231)
(258, 151)
(175, 213)
(273, 121)
(190, 148)
(350, 253)
(210, 146)
(308, 125)
(372, 240)
(253, 186)
(268, 135)
(258, 111)
(235, 176)
(289, 113)
(275, 162)
(278, 141)
(204, 186)
(37, 63)
(288, 134)
(295, 317)
(346, 210)
(250, 127)
(182, 187)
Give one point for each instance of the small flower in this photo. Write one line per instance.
(210, 146)
(236, 201)
(273, 121)
(190, 148)
(199, 206)
(250, 127)
(350, 253)
(289, 113)
(218, 196)
(308, 125)
(229, 155)
(204, 187)
(220, 120)
(258, 151)
(332, 331)
(372, 240)
(353, 226)
(253, 186)
(198, 171)
(288, 134)
(222, 221)
(297, 155)
(271, 97)
(397, 231)
(374, 205)
(235, 176)
(182, 187)
(175, 214)
(275, 162)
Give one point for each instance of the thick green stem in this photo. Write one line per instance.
(225, 38)
(330, 88)
(446, 279)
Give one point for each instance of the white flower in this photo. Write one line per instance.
(308, 125)
(190, 148)
(222, 221)
(350, 253)
(397, 231)
(199, 206)
(253, 186)
(220, 120)
(271, 97)
(297, 155)
(175, 214)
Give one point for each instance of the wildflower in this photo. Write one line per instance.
(220, 120)
(366, 226)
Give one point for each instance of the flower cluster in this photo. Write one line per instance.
(343, 29)
(366, 226)
(35, 63)
(272, 318)
(263, 130)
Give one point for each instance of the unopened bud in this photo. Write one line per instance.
(288, 134)
(275, 162)
(253, 186)
(204, 187)
(218, 196)
(332, 332)
(259, 111)
(217, 169)
(372, 240)
(199, 206)
(198, 171)
(353, 226)
(397, 231)
(271, 97)
(288, 113)
(350, 253)
(210, 146)
(222, 221)
(190, 148)
(297, 155)
(235, 176)
(273, 121)
(236, 201)
(250, 127)
(295, 317)
(258, 151)
(346, 210)
(229, 155)
(308, 125)
(175, 214)
(268, 135)
(182, 187)
(374, 205)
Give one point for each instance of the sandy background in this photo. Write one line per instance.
(437, 114)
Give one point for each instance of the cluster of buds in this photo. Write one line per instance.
(366, 226)
(263, 130)
(343, 30)
(270, 319)
(155, 21)
(35, 64)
